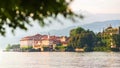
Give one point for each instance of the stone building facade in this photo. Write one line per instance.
(39, 41)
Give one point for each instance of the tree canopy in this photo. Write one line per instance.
(81, 38)
(89, 41)
(16, 13)
(116, 38)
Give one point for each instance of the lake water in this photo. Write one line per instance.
(59, 60)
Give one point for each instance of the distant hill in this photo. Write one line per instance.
(95, 26)
(99, 26)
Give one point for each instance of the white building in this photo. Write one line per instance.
(39, 41)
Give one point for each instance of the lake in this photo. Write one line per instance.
(59, 60)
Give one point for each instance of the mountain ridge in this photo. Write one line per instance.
(95, 27)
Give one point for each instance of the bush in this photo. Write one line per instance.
(102, 48)
(60, 48)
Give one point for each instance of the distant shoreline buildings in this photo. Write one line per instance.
(39, 41)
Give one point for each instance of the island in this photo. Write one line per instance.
(80, 40)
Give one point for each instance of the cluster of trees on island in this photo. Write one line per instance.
(82, 39)
(89, 41)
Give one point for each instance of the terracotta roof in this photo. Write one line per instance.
(39, 37)
(26, 38)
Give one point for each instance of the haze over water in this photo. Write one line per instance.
(59, 60)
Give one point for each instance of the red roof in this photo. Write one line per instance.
(39, 37)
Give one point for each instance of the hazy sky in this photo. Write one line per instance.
(96, 6)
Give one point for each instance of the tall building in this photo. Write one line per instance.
(108, 33)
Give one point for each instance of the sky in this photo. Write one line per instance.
(96, 6)
(93, 10)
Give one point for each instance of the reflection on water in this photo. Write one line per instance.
(59, 60)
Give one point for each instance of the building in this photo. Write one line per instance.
(108, 33)
(39, 41)
(30, 40)
(110, 30)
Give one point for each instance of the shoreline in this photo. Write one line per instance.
(62, 51)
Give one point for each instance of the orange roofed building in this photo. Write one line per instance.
(40, 41)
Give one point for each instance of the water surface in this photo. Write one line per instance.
(59, 60)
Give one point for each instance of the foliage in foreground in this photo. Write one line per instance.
(17, 13)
